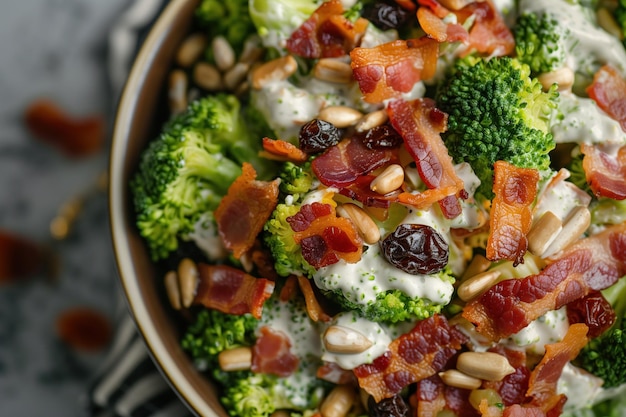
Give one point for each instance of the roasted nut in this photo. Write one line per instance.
(223, 53)
(252, 50)
(332, 70)
(476, 285)
(188, 277)
(372, 120)
(338, 402)
(340, 339)
(543, 232)
(478, 265)
(172, 289)
(608, 23)
(177, 91)
(274, 70)
(366, 227)
(456, 378)
(389, 180)
(575, 225)
(562, 77)
(191, 49)
(489, 366)
(207, 77)
(340, 116)
(236, 75)
(236, 359)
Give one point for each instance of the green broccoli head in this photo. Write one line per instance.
(259, 395)
(605, 356)
(186, 171)
(296, 180)
(275, 20)
(230, 19)
(539, 42)
(279, 238)
(213, 332)
(496, 112)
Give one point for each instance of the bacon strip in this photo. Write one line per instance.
(608, 89)
(416, 355)
(342, 165)
(283, 150)
(591, 264)
(489, 34)
(515, 190)
(433, 396)
(324, 237)
(313, 307)
(271, 354)
(544, 377)
(331, 372)
(232, 291)
(606, 174)
(420, 124)
(393, 68)
(439, 30)
(327, 33)
(245, 209)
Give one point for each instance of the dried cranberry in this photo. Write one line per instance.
(386, 15)
(388, 407)
(380, 137)
(416, 249)
(318, 135)
(593, 310)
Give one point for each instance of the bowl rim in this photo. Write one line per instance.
(118, 189)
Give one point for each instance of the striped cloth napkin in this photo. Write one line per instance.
(128, 384)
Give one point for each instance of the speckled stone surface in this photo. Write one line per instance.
(56, 49)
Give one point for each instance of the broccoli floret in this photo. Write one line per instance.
(279, 238)
(577, 173)
(185, 172)
(496, 112)
(539, 42)
(275, 20)
(230, 19)
(296, 180)
(391, 306)
(605, 356)
(606, 211)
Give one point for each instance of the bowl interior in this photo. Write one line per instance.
(141, 113)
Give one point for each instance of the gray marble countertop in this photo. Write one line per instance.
(55, 49)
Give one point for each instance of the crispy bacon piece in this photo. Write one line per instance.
(327, 33)
(515, 190)
(232, 291)
(324, 237)
(512, 388)
(360, 191)
(289, 289)
(608, 89)
(542, 387)
(283, 150)
(436, 28)
(271, 354)
(72, 136)
(606, 174)
(433, 396)
(20, 257)
(393, 68)
(523, 411)
(245, 209)
(331, 372)
(590, 264)
(341, 165)
(416, 355)
(489, 34)
(313, 307)
(420, 124)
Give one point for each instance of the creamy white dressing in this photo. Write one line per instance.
(293, 320)
(360, 282)
(373, 331)
(587, 46)
(547, 329)
(581, 388)
(584, 121)
(206, 237)
(560, 199)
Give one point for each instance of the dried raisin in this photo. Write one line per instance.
(416, 249)
(386, 15)
(318, 135)
(381, 137)
(388, 407)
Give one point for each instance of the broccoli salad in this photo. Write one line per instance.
(397, 207)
